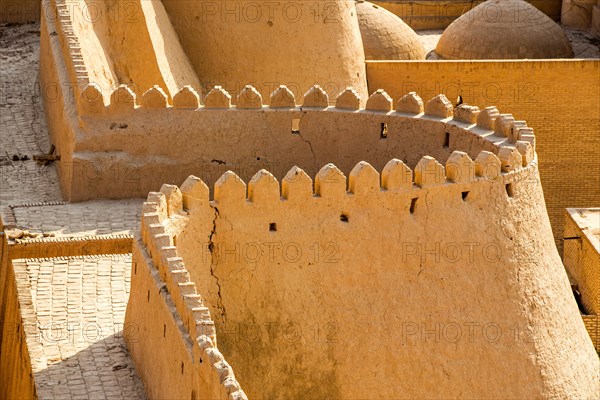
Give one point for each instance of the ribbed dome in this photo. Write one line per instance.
(385, 36)
(504, 29)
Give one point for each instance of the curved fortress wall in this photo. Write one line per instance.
(275, 137)
(564, 114)
(267, 44)
(383, 283)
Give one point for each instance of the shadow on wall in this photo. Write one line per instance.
(130, 43)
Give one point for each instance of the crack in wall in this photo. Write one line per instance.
(213, 261)
(312, 151)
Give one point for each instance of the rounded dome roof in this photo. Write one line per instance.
(385, 36)
(504, 29)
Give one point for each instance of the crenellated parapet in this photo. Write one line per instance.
(487, 123)
(392, 226)
(166, 212)
(218, 135)
(182, 227)
(160, 213)
(62, 20)
(331, 182)
(163, 209)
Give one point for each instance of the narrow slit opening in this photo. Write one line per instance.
(413, 205)
(447, 140)
(510, 190)
(384, 131)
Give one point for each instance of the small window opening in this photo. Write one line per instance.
(344, 217)
(465, 195)
(447, 140)
(384, 130)
(273, 227)
(296, 126)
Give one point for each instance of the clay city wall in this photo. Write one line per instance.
(438, 14)
(250, 42)
(517, 86)
(592, 324)
(114, 42)
(20, 11)
(172, 321)
(581, 14)
(582, 261)
(295, 323)
(16, 330)
(423, 14)
(565, 114)
(278, 136)
(514, 85)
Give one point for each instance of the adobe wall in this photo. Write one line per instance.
(174, 347)
(578, 13)
(582, 255)
(267, 44)
(418, 14)
(60, 91)
(582, 262)
(560, 99)
(19, 11)
(438, 14)
(16, 379)
(108, 160)
(592, 324)
(460, 261)
(123, 43)
(128, 170)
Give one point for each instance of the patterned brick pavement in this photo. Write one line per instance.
(73, 308)
(74, 323)
(23, 124)
(102, 217)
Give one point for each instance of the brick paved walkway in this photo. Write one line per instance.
(23, 124)
(101, 217)
(73, 308)
(74, 324)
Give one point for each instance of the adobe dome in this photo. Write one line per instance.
(385, 36)
(504, 29)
